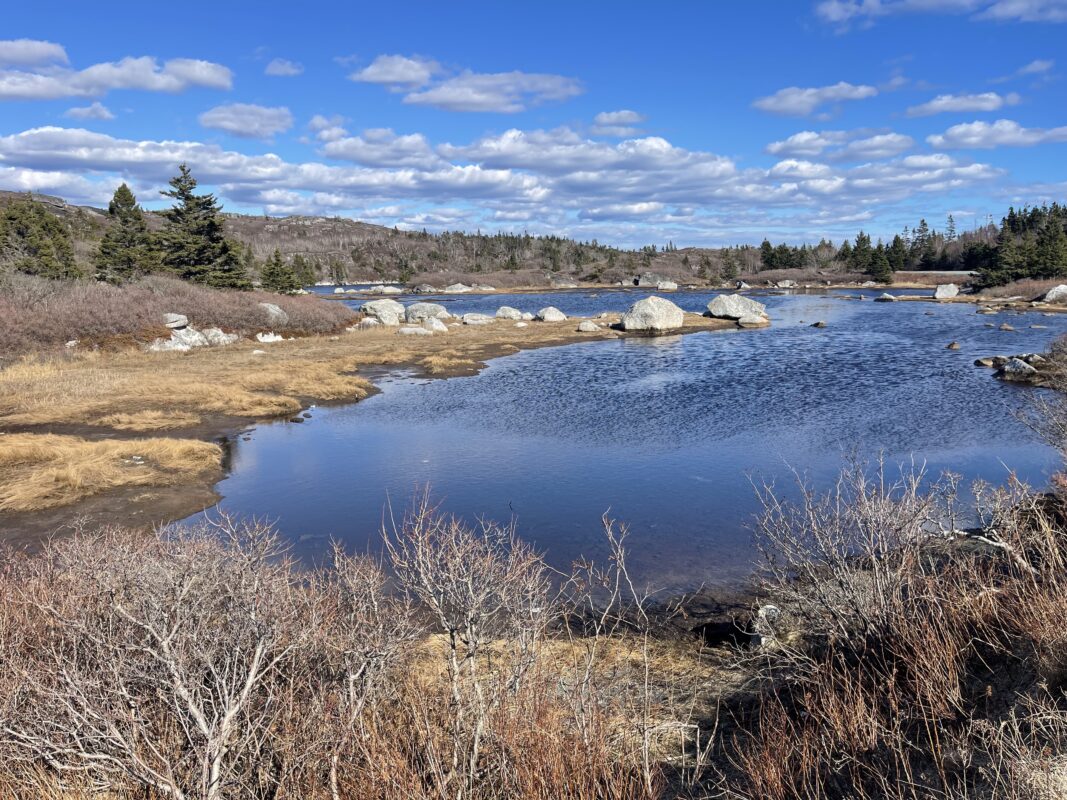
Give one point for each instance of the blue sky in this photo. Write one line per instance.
(705, 123)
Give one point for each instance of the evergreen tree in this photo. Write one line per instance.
(844, 253)
(950, 229)
(304, 269)
(127, 249)
(767, 255)
(879, 268)
(730, 269)
(35, 241)
(193, 244)
(1051, 250)
(897, 253)
(860, 259)
(278, 276)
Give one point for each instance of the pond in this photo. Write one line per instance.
(666, 434)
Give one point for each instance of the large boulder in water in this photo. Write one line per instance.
(417, 312)
(1018, 371)
(735, 306)
(885, 298)
(946, 291)
(387, 312)
(653, 314)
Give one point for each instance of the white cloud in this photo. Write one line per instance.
(1039, 66)
(95, 110)
(502, 92)
(328, 129)
(248, 120)
(944, 103)
(1002, 133)
(144, 73)
(381, 147)
(31, 52)
(398, 72)
(619, 124)
(283, 68)
(843, 12)
(842, 145)
(797, 101)
(545, 181)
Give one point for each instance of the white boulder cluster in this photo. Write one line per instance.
(422, 319)
(184, 337)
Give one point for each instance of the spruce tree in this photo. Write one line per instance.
(193, 244)
(35, 241)
(1051, 250)
(879, 268)
(305, 271)
(897, 253)
(767, 255)
(860, 259)
(127, 250)
(278, 276)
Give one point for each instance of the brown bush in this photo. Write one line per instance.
(38, 314)
(1028, 288)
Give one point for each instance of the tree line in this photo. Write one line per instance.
(191, 244)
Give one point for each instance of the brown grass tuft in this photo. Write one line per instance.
(43, 470)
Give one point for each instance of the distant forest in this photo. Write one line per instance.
(195, 240)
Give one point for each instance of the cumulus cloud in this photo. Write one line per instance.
(844, 12)
(799, 102)
(31, 52)
(617, 123)
(424, 82)
(144, 73)
(501, 92)
(381, 147)
(1039, 66)
(248, 120)
(398, 72)
(944, 103)
(842, 145)
(1002, 133)
(328, 129)
(95, 110)
(283, 68)
(549, 181)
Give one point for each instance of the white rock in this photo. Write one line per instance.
(387, 312)
(275, 316)
(457, 288)
(415, 332)
(217, 338)
(666, 286)
(885, 298)
(259, 352)
(175, 320)
(786, 284)
(417, 312)
(551, 314)
(268, 338)
(1057, 294)
(527, 316)
(734, 306)
(653, 314)
(181, 340)
(338, 290)
(946, 291)
(741, 285)
(434, 325)
(588, 326)
(522, 324)
(482, 287)
(74, 343)
(477, 319)
(507, 312)
(752, 321)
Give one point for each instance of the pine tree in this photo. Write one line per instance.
(950, 229)
(193, 243)
(897, 253)
(304, 269)
(278, 276)
(879, 268)
(35, 241)
(844, 253)
(127, 250)
(860, 259)
(1051, 250)
(767, 255)
(729, 269)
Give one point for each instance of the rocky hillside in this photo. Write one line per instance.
(340, 249)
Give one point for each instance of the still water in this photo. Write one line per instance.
(666, 434)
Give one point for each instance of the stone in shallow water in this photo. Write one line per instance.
(734, 306)
(653, 314)
(752, 321)
(946, 291)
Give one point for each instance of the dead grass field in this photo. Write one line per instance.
(40, 471)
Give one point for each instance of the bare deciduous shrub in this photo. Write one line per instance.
(37, 314)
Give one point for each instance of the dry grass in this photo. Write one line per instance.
(1028, 289)
(150, 420)
(43, 470)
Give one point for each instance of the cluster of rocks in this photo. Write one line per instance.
(1028, 368)
(420, 319)
(184, 337)
(747, 312)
